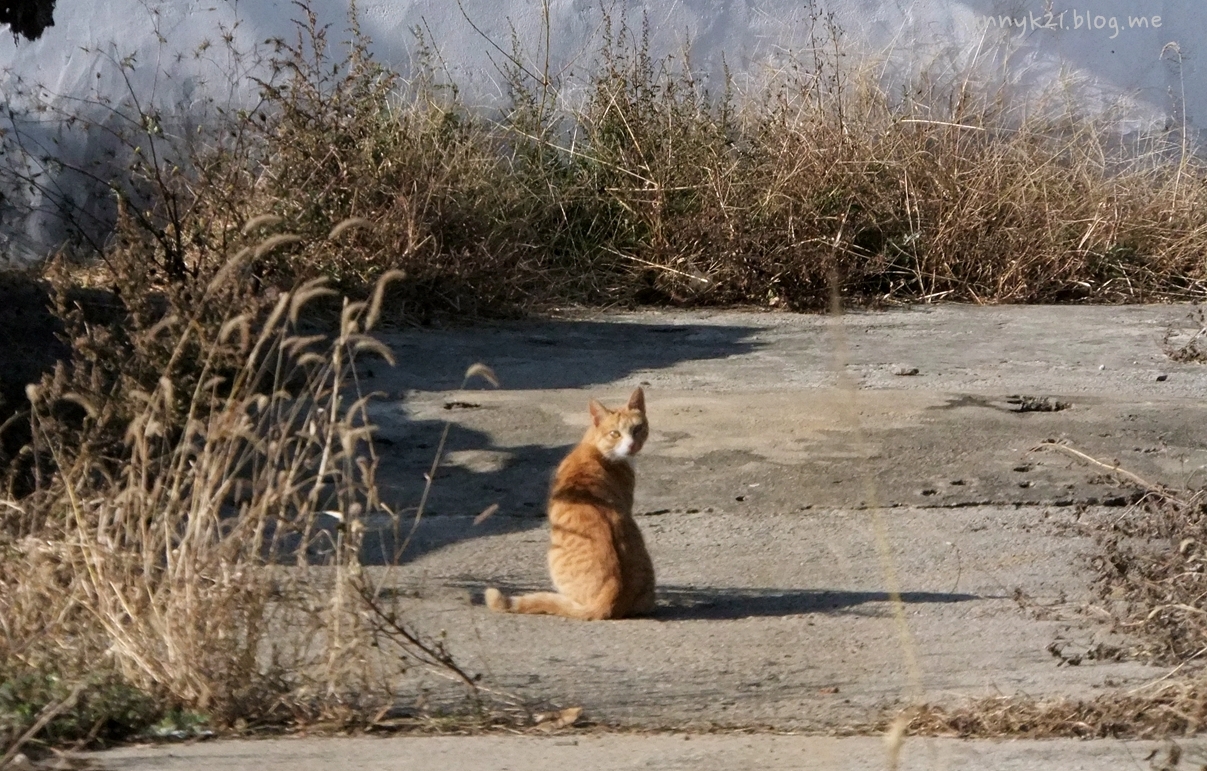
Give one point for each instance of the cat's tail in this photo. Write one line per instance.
(548, 603)
(497, 601)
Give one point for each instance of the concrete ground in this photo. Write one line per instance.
(625, 752)
(795, 474)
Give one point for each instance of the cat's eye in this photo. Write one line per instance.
(614, 434)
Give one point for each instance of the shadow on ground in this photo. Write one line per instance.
(556, 353)
(682, 603)
(515, 477)
(477, 473)
(695, 603)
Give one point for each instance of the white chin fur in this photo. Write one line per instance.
(622, 451)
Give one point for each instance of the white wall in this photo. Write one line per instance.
(1147, 68)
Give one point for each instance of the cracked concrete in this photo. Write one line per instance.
(791, 480)
(783, 448)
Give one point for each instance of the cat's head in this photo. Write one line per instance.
(619, 434)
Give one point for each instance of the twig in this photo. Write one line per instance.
(942, 123)
(1113, 468)
(1168, 674)
(664, 268)
(432, 656)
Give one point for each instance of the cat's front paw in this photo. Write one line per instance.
(497, 601)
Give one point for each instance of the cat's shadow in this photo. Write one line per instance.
(684, 603)
(698, 603)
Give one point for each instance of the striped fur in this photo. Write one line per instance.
(597, 557)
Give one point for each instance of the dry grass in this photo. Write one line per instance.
(1175, 710)
(1153, 577)
(178, 463)
(654, 190)
(951, 194)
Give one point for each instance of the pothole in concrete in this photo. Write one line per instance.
(1036, 403)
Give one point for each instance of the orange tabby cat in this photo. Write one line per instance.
(597, 558)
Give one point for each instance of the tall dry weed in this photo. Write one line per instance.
(188, 469)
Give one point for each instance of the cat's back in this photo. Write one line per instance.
(596, 552)
(585, 479)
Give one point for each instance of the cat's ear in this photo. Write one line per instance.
(598, 412)
(637, 400)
